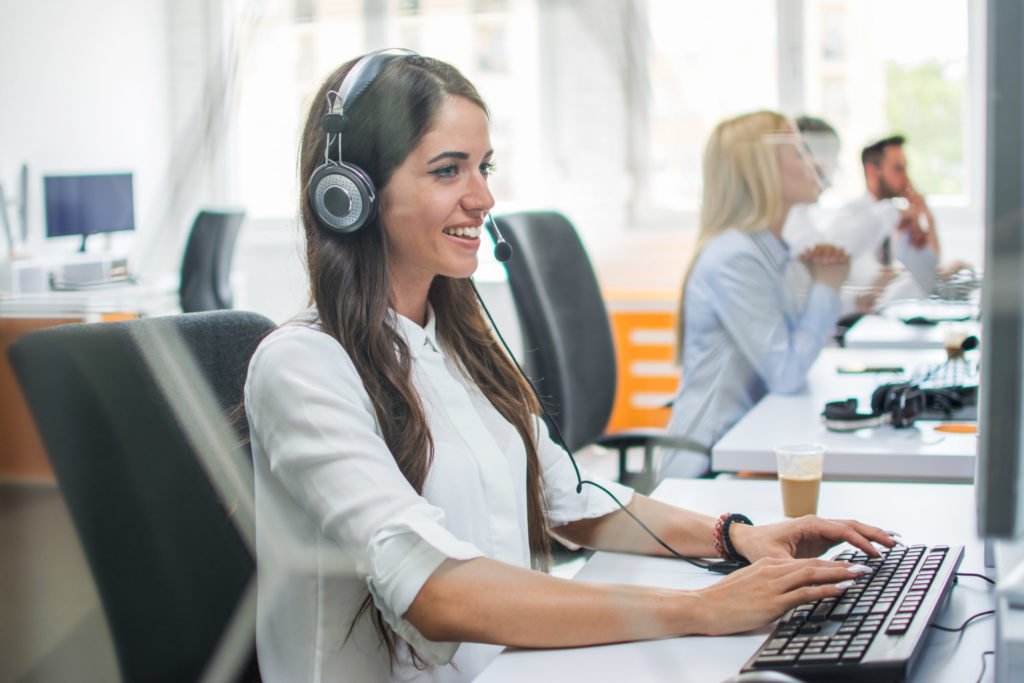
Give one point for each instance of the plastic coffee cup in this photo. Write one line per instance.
(953, 343)
(800, 466)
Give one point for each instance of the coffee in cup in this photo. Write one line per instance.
(800, 466)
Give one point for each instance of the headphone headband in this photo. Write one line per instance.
(897, 404)
(342, 195)
(361, 75)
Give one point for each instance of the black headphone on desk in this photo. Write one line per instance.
(896, 404)
(342, 195)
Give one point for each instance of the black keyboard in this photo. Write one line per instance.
(875, 630)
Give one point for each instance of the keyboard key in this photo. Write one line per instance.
(820, 657)
(821, 612)
(840, 611)
(765, 662)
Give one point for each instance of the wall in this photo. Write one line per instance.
(84, 87)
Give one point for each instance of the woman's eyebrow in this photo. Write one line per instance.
(449, 155)
(457, 155)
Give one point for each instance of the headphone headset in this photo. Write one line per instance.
(896, 404)
(342, 195)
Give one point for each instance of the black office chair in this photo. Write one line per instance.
(569, 349)
(206, 266)
(157, 487)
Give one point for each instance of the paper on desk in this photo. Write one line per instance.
(922, 263)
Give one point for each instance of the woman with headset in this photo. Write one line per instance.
(405, 484)
(740, 331)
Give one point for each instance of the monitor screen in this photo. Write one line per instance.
(87, 204)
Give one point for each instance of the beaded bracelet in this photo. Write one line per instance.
(723, 545)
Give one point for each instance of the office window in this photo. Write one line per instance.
(833, 41)
(879, 71)
(492, 48)
(704, 66)
(602, 108)
(490, 5)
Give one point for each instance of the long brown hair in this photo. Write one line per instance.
(350, 285)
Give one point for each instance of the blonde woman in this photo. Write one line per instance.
(740, 334)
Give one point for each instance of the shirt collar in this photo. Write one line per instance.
(418, 338)
(773, 247)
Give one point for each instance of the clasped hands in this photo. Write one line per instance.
(827, 263)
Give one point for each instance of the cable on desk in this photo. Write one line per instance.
(984, 662)
(962, 626)
(980, 576)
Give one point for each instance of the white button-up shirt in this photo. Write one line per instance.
(860, 227)
(336, 518)
(743, 337)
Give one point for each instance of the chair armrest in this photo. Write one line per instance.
(648, 438)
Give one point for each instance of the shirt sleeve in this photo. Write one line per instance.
(310, 413)
(745, 295)
(564, 504)
(860, 227)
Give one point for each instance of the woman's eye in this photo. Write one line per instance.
(449, 171)
(488, 169)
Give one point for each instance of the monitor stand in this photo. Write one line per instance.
(1009, 556)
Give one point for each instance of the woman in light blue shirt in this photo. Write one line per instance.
(741, 334)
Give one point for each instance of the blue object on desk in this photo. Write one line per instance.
(88, 204)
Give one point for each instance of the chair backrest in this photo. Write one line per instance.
(206, 266)
(569, 352)
(170, 563)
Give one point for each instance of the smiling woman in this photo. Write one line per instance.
(434, 206)
(405, 484)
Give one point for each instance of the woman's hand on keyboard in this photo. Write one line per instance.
(762, 592)
(808, 536)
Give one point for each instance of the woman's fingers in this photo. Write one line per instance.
(762, 592)
(814, 593)
(816, 573)
(825, 254)
(859, 535)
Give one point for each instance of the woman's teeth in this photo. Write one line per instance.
(468, 233)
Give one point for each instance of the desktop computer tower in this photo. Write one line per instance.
(73, 274)
(22, 277)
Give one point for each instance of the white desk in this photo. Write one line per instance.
(917, 453)
(923, 513)
(887, 329)
(22, 456)
(90, 305)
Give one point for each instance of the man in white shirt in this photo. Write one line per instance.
(890, 222)
(802, 229)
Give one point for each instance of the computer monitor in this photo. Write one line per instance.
(1000, 471)
(87, 204)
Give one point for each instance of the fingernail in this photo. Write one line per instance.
(894, 534)
(843, 585)
(861, 569)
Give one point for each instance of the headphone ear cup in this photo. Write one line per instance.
(912, 404)
(343, 197)
(842, 416)
(904, 402)
(881, 401)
